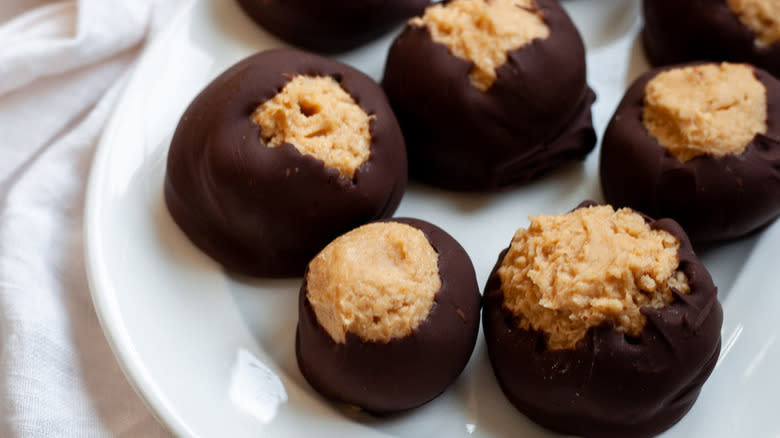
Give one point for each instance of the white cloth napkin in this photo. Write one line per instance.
(62, 67)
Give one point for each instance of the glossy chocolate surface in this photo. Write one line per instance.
(383, 378)
(333, 25)
(693, 30)
(267, 211)
(712, 197)
(534, 117)
(611, 385)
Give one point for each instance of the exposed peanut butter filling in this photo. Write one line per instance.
(377, 281)
(567, 273)
(705, 109)
(483, 31)
(319, 118)
(761, 16)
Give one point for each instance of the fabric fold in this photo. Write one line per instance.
(63, 67)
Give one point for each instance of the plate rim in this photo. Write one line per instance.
(99, 285)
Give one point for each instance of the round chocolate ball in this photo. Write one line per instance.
(330, 26)
(613, 339)
(715, 30)
(502, 96)
(388, 316)
(702, 147)
(280, 154)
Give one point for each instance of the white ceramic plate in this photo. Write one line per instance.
(212, 355)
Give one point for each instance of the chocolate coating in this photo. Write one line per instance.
(712, 197)
(693, 30)
(611, 385)
(404, 373)
(330, 26)
(534, 117)
(267, 211)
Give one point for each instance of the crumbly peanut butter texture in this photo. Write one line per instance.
(482, 31)
(377, 281)
(567, 273)
(761, 16)
(320, 119)
(705, 109)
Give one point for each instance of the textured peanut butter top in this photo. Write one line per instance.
(705, 109)
(377, 281)
(482, 31)
(570, 272)
(761, 16)
(320, 119)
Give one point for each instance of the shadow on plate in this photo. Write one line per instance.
(602, 22)
(637, 63)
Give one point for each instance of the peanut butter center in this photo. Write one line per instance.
(377, 281)
(319, 118)
(567, 273)
(705, 109)
(761, 16)
(483, 31)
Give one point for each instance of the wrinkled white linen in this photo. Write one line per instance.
(62, 67)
